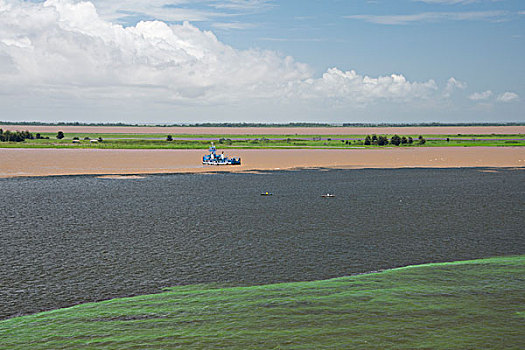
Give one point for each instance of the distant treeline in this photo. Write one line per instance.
(395, 140)
(430, 124)
(15, 136)
(271, 125)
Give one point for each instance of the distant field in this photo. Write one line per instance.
(477, 304)
(248, 141)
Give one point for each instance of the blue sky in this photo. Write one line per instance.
(263, 60)
(485, 46)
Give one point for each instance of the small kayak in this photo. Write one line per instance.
(266, 194)
(328, 195)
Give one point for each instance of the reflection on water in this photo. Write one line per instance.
(67, 240)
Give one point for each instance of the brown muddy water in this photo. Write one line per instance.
(72, 239)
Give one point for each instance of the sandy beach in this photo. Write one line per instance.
(45, 162)
(431, 130)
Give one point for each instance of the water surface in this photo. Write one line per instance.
(67, 240)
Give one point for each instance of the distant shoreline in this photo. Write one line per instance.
(273, 130)
(53, 162)
(271, 125)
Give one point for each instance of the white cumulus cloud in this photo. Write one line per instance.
(478, 96)
(63, 48)
(452, 85)
(351, 87)
(62, 44)
(508, 97)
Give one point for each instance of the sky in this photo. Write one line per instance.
(327, 61)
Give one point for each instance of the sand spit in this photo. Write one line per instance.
(429, 130)
(121, 177)
(43, 162)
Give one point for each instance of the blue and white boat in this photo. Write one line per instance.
(219, 159)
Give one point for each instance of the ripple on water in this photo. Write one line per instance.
(67, 240)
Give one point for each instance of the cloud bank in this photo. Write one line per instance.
(63, 48)
(62, 45)
(432, 17)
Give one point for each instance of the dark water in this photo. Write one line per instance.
(66, 240)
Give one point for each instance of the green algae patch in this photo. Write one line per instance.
(467, 304)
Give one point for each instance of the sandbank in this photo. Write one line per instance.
(121, 177)
(47, 162)
(417, 130)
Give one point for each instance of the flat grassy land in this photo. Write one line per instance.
(477, 304)
(200, 141)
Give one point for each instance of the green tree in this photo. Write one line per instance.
(60, 135)
(382, 140)
(404, 140)
(410, 140)
(367, 140)
(395, 140)
(422, 140)
(169, 138)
